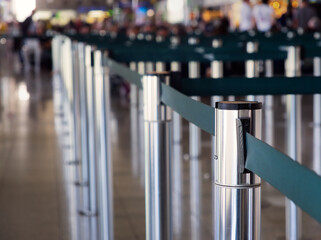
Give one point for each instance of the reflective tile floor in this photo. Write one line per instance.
(33, 203)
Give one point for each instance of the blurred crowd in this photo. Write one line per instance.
(260, 17)
(30, 35)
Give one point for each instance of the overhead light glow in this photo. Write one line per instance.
(175, 11)
(23, 8)
(150, 13)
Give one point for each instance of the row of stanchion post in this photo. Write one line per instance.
(83, 97)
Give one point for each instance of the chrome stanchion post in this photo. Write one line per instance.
(195, 164)
(177, 173)
(133, 87)
(92, 141)
(175, 66)
(141, 144)
(293, 109)
(157, 118)
(76, 133)
(177, 121)
(71, 134)
(104, 170)
(216, 72)
(83, 183)
(237, 190)
(134, 123)
(194, 131)
(149, 65)
(269, 116)
(251, 66)
(160, 66)
(317, 120)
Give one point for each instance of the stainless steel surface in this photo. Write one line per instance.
(76, 136)
(70, 130)
(84, 139)
(237, 192)
(268, 107)
(294, 141)
(149, 67)
(104, 161)
(141, 140)
(154, 110)
(175, 66)
(157, 118)
(134, 124)
(195, 132)
(317, 120)
(160, 67)
(92, 141)
(177, 120)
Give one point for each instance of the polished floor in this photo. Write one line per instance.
(34, 198)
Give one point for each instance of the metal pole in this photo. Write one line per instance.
(83, 183)
(69, 131)
(134, 123)
(149, 65)
(251, 66)
(157, 118)
(76, 132)
(160, 66)
(269, 115)
(104, 170)
(141, 143)
(194, 131)
(293, 109)
(92, 141)
(177, 180)
(237, 191)
(177, 173)
(177, 121)
(317, 120)
(216, 72)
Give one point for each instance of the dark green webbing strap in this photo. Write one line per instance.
(125, 72)
(295, 181)
(251, 86)
(195, 112)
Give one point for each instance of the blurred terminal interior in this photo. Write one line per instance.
(52, 188)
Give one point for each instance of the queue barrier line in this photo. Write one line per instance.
(295, 181)
(240, 86)
(124, 72)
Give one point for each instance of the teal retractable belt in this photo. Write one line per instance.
(251, 86)
(295, 181)
(196, 112)
(125, 72)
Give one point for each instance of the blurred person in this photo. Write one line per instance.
(31, 43)
(222, 27)
(246, 16)
(15, 31)
(177, 30)
(304, 14)
(162, 33)
(263, 16)
(314, 24)
(287, 19)
(85, 28)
